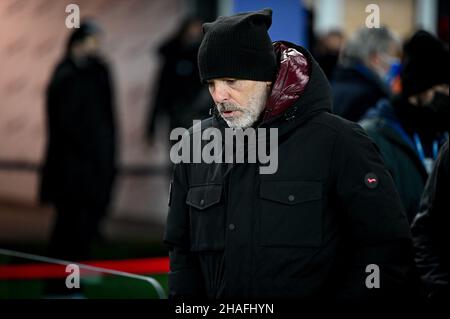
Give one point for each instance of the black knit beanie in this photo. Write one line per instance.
(238, 47)
(425, 64)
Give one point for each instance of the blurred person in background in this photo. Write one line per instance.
(410, 127)
(327, 51)
(80, 166)
(430, 231)
(179, 72)
(362, 77)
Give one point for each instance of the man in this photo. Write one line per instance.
(410, 128)
(80, 165)
(364, 71)
(310, 229)
(430, 231)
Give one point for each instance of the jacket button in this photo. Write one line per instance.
(202, 202)
(291, 198)
(231, 227)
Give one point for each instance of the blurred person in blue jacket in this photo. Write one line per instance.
(410, 128)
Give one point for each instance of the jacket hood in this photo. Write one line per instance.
(300, 88)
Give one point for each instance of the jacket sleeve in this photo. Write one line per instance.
(185, 279)
(429, 229)
(377, 231)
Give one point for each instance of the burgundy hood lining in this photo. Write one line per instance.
(293, 75)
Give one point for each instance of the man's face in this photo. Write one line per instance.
(239, 102)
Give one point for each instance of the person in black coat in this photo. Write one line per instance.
(80, 165)
(319, 224)
(363, 73)
(179, 60)
(430, 231)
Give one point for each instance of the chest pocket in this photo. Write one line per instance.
(207, 217)
(291, 213)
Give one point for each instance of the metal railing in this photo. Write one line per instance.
(153, 282)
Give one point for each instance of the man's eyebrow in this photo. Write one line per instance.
(221, 79)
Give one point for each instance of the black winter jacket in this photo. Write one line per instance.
(307, 231)
(356, 89)
(430, 230)
(80, 161)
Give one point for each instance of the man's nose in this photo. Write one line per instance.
(221, 93)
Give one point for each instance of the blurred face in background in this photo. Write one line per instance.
(430, 110)
(92, 45)
(382, 62)
(435, 97)
(193, 33)
(333, 42)
(89, 46)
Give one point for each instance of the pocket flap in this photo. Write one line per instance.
(290, 192)
(204, 196)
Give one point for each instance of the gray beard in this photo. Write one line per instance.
(249, 115)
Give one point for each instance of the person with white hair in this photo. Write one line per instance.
(365, 67)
